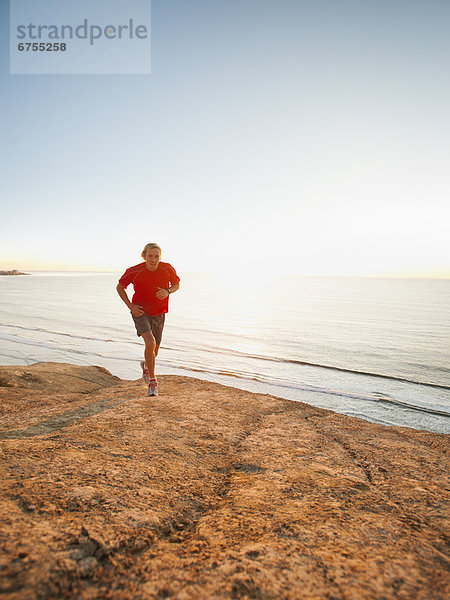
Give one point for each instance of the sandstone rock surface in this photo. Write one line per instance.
(209, 492)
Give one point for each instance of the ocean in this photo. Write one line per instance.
(377, 349)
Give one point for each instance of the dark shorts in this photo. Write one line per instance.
(154, 324)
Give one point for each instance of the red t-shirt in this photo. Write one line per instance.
(146, 284)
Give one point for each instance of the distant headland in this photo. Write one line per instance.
(13, 272)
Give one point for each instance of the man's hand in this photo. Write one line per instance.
(137, 310)
(162, 293)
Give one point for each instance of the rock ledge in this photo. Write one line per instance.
(210, 492)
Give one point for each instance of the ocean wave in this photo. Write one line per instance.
(277, 359)
(50, 331)
(224, 351)
(277, 383)
(64, 350)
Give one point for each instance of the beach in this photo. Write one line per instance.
(209, 491)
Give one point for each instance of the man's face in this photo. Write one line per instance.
(152, 258)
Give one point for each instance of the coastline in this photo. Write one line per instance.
(13, 272)
(344, 360)
(210, 492)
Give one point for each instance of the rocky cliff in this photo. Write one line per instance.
(209, 492)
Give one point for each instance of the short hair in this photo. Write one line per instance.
(148, 247)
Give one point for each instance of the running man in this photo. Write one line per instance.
(153, 282)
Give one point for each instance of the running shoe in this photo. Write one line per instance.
(145, 373)
(152, 388)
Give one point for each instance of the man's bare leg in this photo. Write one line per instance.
(150, 352)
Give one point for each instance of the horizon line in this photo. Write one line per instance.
(444, 276)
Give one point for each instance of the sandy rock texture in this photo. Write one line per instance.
(209, 492)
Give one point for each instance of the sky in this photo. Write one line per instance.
(306, 137)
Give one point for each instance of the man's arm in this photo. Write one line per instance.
(136, 309)
(164, 292)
